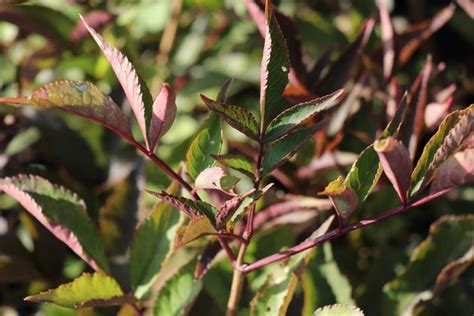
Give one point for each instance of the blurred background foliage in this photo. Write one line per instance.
(196, 45)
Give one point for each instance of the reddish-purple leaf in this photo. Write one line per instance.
(135, 91)
(387, 39)
(95, 19)
(343, 198)
(412, 39)
(228, 209)
(396, 163)
(164, 113)
(339, 72)
(456, 171)
(61, 212)
(82, 98)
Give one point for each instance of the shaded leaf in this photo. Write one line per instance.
(179, 293)
(283, 149)
(274, 68)
(163, 114)
(275, 296)
(237, 117)
(137, 93)
(198, 227)
(82, 98)
(338, 310)
(224, 91)
(364, 173)
(205, 143)
(153, 244)
(62, 213)
(453, 270)
(95, 19)
(344, 199)
(456, 171)
(396, 163)
(339, 72)
(297, 115)
(22, 141)
(393, 127)
(88, 290)
(450, 238)
(237, 162)
(452, 132)
(189, 207)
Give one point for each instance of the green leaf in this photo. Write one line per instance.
(274, 69)
(198, 227)
(450, 239)
(22, 141)
(364, 173)
(239, 118)
(275, 296)
(62, 213)
(237, 162)
(338, 310)
(344, 199)
(452, 132)
(393, 127)
(153, 244)
(179, 293)
(206, 142)
(297, 115)
(82, 98)
(88, 290)
(283, 149)
(189, 207)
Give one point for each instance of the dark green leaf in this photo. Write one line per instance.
(237, 162)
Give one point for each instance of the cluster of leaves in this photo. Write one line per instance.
(228, 192)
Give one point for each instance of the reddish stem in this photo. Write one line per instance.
(340, 231)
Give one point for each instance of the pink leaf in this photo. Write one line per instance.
(387, 38)
(164, 113)
(396, 163)
(129, 80)
(457, 170)
(61, 212)
(96, 20)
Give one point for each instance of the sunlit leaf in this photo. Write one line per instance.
(229, 207)
(338, 310)
(297, 115)
(215, 178)
(237, 117)
(344, 199)
(163, 114)
(237, 162)
(88, 290)
(62, 213)
(198, 227)
(82, 98)
(456, 171)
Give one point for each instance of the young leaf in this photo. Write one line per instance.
(189, 207)
(228, 209)
(275, 296)
(82, 98)
(338, 310)
(297, 115)
(450, 238)
(283, 149)
(364, 174)
(452, 132)
(274, 68)
(396, 163)
(62, 213)
(137, 93)
(215, 178)
(205, 143)
(163, 114)
(239, 118)
(393, 127)
(386, 29)
(237, 162)
(88, 290)
(198, 227)
(153, 243)
(179, 293)
(456, 171)
(344, 199)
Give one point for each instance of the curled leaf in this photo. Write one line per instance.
(163, 114)
(343, 198)
(215, 178)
